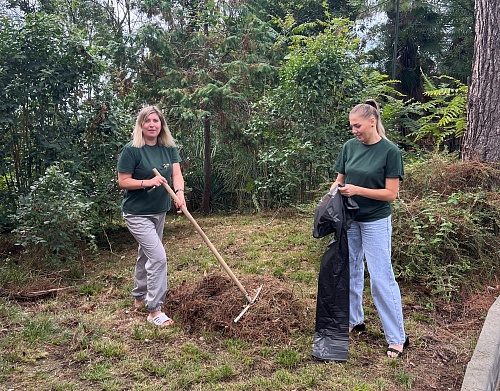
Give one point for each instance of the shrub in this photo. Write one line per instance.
(52, 218)
(446, 223)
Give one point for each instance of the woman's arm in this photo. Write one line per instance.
(389, 193)
(126, 182)
(177, 178)
(178, 181)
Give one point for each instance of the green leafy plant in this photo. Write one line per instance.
(446, 223)
(444, 115)
(52, 218)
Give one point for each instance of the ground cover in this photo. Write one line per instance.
(75, 328)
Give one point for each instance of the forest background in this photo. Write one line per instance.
(257, 95)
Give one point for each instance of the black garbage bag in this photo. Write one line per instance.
(333, 215)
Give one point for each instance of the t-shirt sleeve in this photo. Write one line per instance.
(176, 157)
(339, 166)
(394, 166)
(126, 161)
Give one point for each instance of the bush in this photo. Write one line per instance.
(52, 219)
(446, 223)
(220, 197)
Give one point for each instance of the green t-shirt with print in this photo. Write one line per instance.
(368, 166)
(140, 163)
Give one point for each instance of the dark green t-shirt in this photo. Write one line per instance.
(368, 166)
(140, 163)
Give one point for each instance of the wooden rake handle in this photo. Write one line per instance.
(205, 238)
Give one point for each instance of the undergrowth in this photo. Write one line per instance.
(446, 224)
(71, 326)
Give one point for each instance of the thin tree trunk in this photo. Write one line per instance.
(482, 139)
(205, 201)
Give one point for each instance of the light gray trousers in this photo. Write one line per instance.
(150, 277)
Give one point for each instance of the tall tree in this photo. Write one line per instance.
(482, 138)
(458, 44)
(303, 122)
(206, 62)
(420, 34)
(311, 11)
(434, 38)
(104, 25)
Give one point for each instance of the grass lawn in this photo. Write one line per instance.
(75, 328)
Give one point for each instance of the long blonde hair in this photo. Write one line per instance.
(165, 138)
(368, 109)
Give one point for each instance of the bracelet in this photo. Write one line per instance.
(179, 190)
(142, 187)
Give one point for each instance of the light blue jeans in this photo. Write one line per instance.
(150, 276)
(372, 240)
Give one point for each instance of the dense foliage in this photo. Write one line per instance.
(257, 95)
(43, 74)
(55, 106)
(54, 220)
(302, 122)
(446, 223)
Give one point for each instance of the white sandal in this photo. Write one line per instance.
(161, 320)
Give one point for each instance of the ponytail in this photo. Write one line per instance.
(368, 109)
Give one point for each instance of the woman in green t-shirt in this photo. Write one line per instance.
(370, 168)
(145, 203)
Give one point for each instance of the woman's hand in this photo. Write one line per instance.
(181, 202)
(388, 194)
(155, 182)
(348, 190)
(126, 182)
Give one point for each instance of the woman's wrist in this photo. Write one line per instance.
(178, 190)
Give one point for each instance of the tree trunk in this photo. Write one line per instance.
(482, 139)
(205, 201)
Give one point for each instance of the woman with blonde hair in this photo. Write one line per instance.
(145, 203)
(370, 168)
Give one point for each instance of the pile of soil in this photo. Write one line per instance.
(213, 303)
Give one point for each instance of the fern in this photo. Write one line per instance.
(445, 113)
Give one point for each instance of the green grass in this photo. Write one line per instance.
(10, 273)
(38, 329)
(90, 337)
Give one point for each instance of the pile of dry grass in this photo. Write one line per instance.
(213, 303)
(444, 175)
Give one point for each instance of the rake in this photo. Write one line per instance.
(249, 299)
